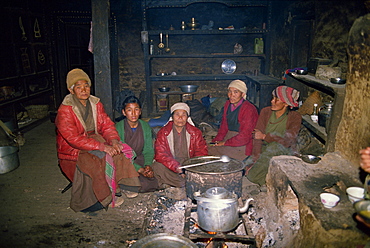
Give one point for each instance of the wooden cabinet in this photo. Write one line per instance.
(26, 71)
(196, 54)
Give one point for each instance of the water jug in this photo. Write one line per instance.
(324, 114)
(258, 46)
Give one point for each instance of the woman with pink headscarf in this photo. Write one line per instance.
(275, 133)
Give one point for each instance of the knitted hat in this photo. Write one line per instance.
(287, 94)
(240, 85)
(75, 75)
(180, 105)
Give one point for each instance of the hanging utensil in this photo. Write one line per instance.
(167, 48)
(24, 38)
(223, 158)
(161, 45)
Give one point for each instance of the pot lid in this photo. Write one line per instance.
(217, 193)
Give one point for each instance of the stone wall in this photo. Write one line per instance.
(354, 129)
(329, 34)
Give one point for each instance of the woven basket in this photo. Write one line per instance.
(307, 106)
(37, 111)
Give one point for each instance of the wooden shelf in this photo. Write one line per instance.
(337, 91)
(198, 77)
(226, 55)
(322, 85)
(214, 31)
(314, 127)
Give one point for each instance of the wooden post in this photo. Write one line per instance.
(102, 53)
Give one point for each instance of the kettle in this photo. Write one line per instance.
(324, 114)
(218, 209)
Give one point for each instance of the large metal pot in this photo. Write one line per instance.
(161, 240)
(217, 174)
(9, 159)
(218, 210)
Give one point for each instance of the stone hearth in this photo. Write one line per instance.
(294, 185)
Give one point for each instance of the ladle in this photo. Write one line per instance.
(161, 45)
(223, 158)
(167, 50)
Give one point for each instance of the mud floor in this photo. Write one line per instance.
(34, 212)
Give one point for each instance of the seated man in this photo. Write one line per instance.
(88, 146)
(176, 142)
(138, 135)
(234, 138)
(275, 133)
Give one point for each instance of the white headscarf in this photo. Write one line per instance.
(183, 106)
(240, 85)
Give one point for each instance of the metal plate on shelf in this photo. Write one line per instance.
(228, 66)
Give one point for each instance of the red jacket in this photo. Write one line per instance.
(197, 145)
(247, 119)
(71, 133)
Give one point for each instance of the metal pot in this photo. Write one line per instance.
(217, 174)
(189, 88)
(9, 159)
(325, 114)
(160, 240)
(218, 209)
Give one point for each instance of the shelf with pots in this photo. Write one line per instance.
(304, 83)
(194, 38)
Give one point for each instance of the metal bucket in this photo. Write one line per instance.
(164, 240)
(218, 174)
(9, 159)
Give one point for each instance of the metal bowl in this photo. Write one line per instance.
(164, 240)
(189, 88)
(363, 209)
(301, 72)
(164, 89)
(311, 159)
(337, 80)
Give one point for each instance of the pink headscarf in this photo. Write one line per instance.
(287, 94)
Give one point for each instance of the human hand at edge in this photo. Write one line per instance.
(360, 219)
(365, 159)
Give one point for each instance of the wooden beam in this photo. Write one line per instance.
(102, 53)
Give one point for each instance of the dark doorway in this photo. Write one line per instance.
(72, 36)
(300, 43)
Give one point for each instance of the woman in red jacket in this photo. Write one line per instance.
(275, 133)
(85, 134)
(176, 142)
(234, 138)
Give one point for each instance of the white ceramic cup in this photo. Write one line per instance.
(329, 200)
(355, 194)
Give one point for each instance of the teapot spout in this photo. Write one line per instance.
(246, 206)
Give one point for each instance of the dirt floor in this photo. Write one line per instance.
(34, 212)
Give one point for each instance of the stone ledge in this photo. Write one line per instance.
(294, 184)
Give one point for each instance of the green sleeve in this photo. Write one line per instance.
(121, 130)
(148, 150)
(137, 167)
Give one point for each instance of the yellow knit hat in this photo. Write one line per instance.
(75, 75)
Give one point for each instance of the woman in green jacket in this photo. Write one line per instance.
(138, 135)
